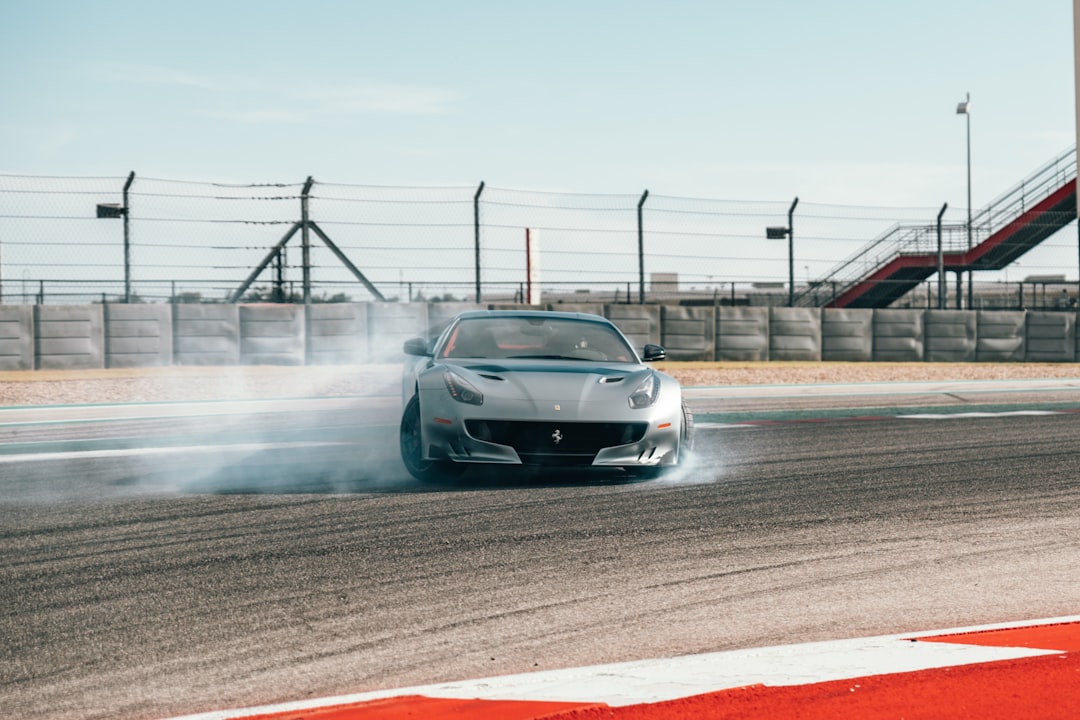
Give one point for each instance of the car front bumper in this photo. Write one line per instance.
(467, 434)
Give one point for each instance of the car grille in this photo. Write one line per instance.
(539, 443)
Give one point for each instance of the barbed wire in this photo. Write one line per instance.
(429, 236)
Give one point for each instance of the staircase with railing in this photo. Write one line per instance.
(906, 255)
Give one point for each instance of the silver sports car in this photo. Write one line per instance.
(542, 388)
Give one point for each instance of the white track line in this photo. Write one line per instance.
(168, 450)
(954, 416)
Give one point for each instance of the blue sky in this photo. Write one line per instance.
(843, 102)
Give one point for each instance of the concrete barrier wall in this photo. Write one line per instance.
(272, 335)
(206, 334)
(337, 334)
(440, 314)
(950, 335)
(138, 335)
(688, 333)
(514, 306)
(794, 334)
(1001, 336)
(847, 335)
(579, 307)
(69, 337)
(639, 323)
(390, 325)
(1051, 337)
(742, 333)
(16, 337)
(898, 335)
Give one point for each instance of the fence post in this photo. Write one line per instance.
(476, 235)
(941, 261)
(641, 249)
(305, 239)
(127, 239)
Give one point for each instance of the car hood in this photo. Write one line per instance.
(547, 385)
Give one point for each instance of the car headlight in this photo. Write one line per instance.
(646, 393)
(461, 389)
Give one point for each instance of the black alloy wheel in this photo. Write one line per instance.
(412, 451)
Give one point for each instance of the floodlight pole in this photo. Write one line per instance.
(964, 109)
(112, 210)
(779, 233)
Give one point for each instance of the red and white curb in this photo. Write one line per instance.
(646, 682)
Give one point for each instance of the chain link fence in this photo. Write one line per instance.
(75, 240)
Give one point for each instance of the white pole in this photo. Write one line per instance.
(532, 268)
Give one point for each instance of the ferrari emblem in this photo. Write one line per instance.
(556, 437)
(558, 408)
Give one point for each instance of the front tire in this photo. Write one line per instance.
(412, 449)
(686, 433)
(686, 444)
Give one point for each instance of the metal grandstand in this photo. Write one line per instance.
(906, 255)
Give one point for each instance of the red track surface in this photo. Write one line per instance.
(1042, 688)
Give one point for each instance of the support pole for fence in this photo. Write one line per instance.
(235, 297)
(305, 226)
(791, 252)
(305, 239)
(941, 261)
(346, 262)
(641, 248)
(278, 294)
(476, 235)
(127, 239)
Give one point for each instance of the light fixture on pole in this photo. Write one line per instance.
(779, 233)
(112, 210)
(964, 108)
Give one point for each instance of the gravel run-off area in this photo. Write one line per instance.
(170, 384)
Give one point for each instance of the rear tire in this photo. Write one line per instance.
(412, 450)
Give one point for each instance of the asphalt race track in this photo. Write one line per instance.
(157, 561)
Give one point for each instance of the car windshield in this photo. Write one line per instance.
(536, 338)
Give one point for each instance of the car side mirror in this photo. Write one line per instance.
(416, 346)
(652, 353)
